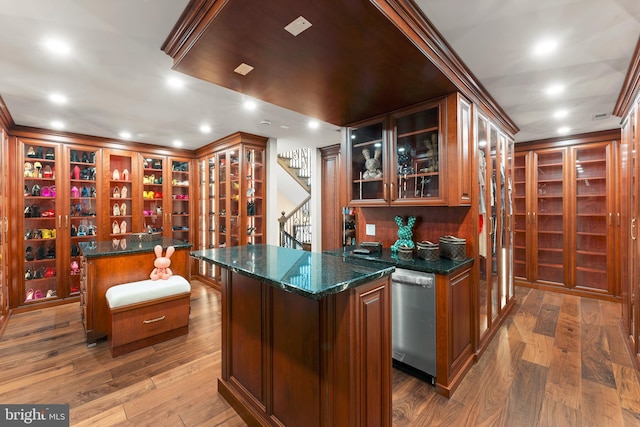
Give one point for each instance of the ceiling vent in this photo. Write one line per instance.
(298, 25)
(600, 116)
(243, 69)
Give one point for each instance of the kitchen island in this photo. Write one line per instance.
(306, 337)
(113, 262)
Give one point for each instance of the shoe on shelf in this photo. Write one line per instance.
(123, 209)
(116, 227)
(116, 193)
(51, 293)
(123, 227)
(125, 175)
(116, 175)
(124, 192)
(116, 210)
(29, 295)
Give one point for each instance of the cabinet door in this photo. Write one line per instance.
(81, 222)
(153, 194)
(223, 210)
(634, 264)
(547, 216)
(120, 209)
(485, 197)
(495, 222)
(520, 233)
(417, 158)
(594, 218)
(252, 200)
(625, 210)
(41, 224)
(180, 214)
(367, 164)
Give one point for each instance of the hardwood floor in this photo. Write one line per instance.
(558, 360)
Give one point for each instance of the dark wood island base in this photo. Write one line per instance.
(292, 359)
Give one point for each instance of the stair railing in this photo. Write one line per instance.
(295, 228)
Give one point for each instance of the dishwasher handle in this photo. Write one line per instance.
(408, 277)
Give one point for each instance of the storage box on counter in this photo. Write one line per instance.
(428, 250)
(454, 248)
(371, 246)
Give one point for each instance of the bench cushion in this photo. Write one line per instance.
(145, 290)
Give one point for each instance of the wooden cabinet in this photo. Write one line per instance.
(232, 196)
(495, 242)
(76, 191)
(296, 361)
(629, 264)
(108, 263)
(82, 222)
(566, 217)
(121, 176)
(60, 209)
(4, 226)
(166, 201)
(397, 159)
(416, 156)
(455, 329)
(332, 198)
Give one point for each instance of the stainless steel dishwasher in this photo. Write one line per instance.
(413, 333)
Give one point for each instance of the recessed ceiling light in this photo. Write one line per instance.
(560, 114)
(58, 98)
(57, 124)
(545, 47)
(57, 46)
(243, 69)
(298, 25)
(250, 105)
(204, 128)
(177, 143)
(313, 124)
(175, 83)
(125, 135)
(564, 130)
(284, 126)
(554, 89)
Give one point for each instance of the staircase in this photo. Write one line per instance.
(295, 228)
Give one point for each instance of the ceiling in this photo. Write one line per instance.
(115, 77)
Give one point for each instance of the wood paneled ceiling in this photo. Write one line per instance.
(351, 64)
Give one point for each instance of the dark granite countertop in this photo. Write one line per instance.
(442, 266)
(312, 275)
(131, 245)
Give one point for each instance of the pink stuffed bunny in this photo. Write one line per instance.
(162, 263)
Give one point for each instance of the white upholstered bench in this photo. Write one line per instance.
(147, 312)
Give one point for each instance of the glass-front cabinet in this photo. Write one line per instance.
(120, 193)
(567, 217)
(254, 191)
(495, 242)
(84, 207)
(153, 194)
(231, 197)
(42, 224)
(595, 217)
(397, 160)
(60, 209)
(180, 216)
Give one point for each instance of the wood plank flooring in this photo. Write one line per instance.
(558, 360)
